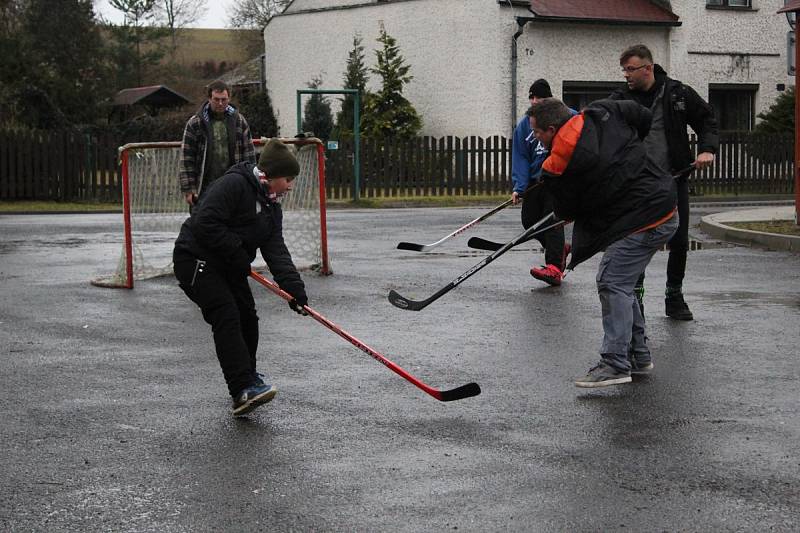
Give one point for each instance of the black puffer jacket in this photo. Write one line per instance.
(602, 179)
(234, 214)
(682, 107)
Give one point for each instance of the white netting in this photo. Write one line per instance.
(157, 210)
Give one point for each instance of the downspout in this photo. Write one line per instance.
(521, 21)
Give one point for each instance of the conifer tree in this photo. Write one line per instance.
(779, 118)
(257, 107)
(317, 116)
(355, 77)
(388, 112)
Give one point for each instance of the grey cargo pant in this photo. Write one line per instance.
(622, 264)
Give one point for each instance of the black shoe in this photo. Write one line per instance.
(675, 307)
(252, 397)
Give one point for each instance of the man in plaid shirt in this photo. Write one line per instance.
(216, 138)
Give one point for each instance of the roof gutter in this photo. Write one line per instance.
(605, 22)
(521, 21)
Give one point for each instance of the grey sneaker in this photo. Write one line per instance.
(603, 375)
(642, 364)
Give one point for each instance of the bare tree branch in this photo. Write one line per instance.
(255, 13)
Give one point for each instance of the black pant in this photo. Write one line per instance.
(538, 203)
(679, 244)
(228, 306)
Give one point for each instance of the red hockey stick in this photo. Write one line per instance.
(459, 393)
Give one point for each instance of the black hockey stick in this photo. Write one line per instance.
(459, 393)
(412, 305)
(491, 246)
(425, 247)
(484, 244)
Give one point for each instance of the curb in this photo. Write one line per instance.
(715, 226)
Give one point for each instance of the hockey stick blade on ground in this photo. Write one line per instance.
(459, 393)
(425, 247)
(402, 302)
(482, 244)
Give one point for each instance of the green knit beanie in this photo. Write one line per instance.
(277, 161)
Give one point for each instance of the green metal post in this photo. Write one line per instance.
(356, 130)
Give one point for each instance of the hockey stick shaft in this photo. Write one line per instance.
(404, 303)
(425, 247)
(464, 391)
(483, 244)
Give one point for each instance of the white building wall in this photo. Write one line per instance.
(732, 46)
(458, 50)
(306, 5)
(583, 52)
(460, 53)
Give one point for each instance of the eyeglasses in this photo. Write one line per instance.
(631, 69)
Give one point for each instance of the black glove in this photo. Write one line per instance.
(297, 308)
(240, 262)
(299, 298)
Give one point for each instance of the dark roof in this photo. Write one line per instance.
(633, 12)
(154, 96)
(248, 73)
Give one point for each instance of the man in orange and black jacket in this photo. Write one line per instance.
(601, 178)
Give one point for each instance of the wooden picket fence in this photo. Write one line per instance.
(66, 166)
(58, 165)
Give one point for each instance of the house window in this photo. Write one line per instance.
(734, 105)
(729, 3)
(579, 94)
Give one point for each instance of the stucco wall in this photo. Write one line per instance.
(587, 52)
(460, 53)
(728, 46)
(458, 50)
(304, 5)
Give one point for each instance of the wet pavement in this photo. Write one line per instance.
(115, 416)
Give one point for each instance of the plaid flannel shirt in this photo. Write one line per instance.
(195, 145)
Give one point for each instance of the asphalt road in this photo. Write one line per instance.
(115, 416)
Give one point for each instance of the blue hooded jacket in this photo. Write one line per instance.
(527, 156)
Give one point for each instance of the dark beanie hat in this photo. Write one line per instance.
(541, 89)
(277, 161)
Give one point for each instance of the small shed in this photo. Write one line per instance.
(247, 77)
(152, 98)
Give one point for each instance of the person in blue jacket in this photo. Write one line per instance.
(527, 156)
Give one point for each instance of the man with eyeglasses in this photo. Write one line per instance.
(215, 138)
(675, 106)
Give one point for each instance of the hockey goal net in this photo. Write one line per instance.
(154, 209)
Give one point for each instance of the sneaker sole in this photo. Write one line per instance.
(685, 318)
(549, 281)
(604, 383)
(254, 402)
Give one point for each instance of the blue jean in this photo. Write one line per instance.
(622, 264)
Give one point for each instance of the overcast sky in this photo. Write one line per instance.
(216, 13)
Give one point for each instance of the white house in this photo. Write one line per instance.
(473, 60)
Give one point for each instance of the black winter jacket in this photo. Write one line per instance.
(682, 107)
(234, 214)
(608, 186)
